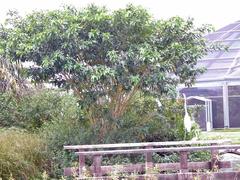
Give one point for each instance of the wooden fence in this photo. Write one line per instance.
(147, 149)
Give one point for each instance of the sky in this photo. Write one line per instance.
(216, 12)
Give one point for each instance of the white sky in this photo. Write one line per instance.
(216, 12)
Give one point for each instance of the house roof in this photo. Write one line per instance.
(222, 65)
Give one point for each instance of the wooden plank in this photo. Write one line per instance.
(154, 144)
(69, 171)
(129, 168)
(214, 160)
(232, 151)
(162, 167)
(81, 166)
(148, 160)
(184, 161)
(97, 169)
(233, 175)
(170, 149)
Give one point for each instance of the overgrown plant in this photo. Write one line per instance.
(143, 121)
(10, 77)
(22, 155)
(37, 107)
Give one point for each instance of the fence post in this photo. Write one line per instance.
(148, 160)
(214, 160)
(81, 164)
(97, 171)
(183, 161)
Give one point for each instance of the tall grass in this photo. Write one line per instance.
(21, 154)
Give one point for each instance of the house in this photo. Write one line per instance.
(218, 89)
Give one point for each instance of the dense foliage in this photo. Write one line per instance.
(62, 121)
(36, 107)
(144, 121)
(106, 57)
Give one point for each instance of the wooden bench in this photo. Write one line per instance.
(181, 147)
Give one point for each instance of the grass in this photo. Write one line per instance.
(232, 134)
(21, 154)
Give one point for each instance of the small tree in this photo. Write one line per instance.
(106, 57)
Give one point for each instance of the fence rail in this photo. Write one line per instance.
(147, 149)
(154, 144)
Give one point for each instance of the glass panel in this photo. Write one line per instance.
(223, 35)
(229, 54)
(203, 64)
(234, 113)
(237, 65)
(213, 54)
(233, 90)
(220, 64)
(201, 120)
(214, 36)
(235, 44)
(237, 27)
(229, 27)
(217, 112)
(235, 72)
(225, 43)
(230, 43)
(207, 92)
(232, 35)
(213, 73)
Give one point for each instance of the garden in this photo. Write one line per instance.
(92, 76)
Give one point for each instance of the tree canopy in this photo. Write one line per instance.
(103, 56)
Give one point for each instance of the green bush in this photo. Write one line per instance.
(21, 154)
(35, 108)
(9, 112)
(60, 133)
(146, 121)
(46, 106)
(143, 121)
(60, 121)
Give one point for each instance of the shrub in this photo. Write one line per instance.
(21, 154)
(60, 133)
(46, 106)
(56, 111)
(35, 108)
(61, 121)
(9, 113)
(143, 121)
(146, 121)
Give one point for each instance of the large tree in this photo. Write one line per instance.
(106, 57)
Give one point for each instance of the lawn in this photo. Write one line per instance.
(232, 134)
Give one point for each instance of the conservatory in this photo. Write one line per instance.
(218, 89)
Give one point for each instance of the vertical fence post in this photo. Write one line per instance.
(148, 160)
(97, 171)
(81, 164)
(183, 161)
(214, 160)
